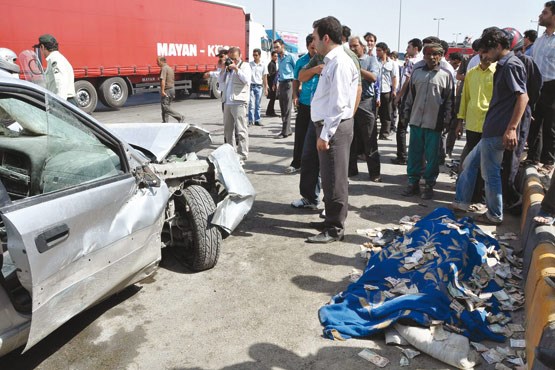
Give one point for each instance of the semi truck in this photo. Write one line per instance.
(113, 45)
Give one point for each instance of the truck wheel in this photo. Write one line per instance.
(113, 92)
(203, 244)
(214, 92)
(85, 95)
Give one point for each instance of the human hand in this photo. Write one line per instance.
(322, 145)
(459, 129)
(318, 69)
(510, 139)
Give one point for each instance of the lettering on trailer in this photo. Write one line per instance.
(213, 49)
(169, 49)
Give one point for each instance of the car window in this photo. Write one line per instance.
(47, 147)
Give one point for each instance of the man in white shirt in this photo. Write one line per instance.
(258, 87)
(388, 78)
(59, 72)
(332, 111)
(541, 139)
(235, 82)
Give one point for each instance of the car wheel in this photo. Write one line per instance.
(203, 242)
(85, 95)
(113, 92)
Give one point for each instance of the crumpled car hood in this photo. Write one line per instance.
(163, 139)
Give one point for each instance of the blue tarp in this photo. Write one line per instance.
(359, 312)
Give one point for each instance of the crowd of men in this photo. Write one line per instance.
(502, 95)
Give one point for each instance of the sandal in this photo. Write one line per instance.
(477, 207)
(484, 219)
(546, 169)
(544, 218)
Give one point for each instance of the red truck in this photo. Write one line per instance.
(113, 45)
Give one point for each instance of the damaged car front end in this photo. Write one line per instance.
(85, 212)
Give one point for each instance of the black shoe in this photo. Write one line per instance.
(382, 137)
(281, 136)
(321, 225)
(412, 189)
(323, 238)
(398, 160)
(271, 115)
(257, 123)
(428, 193)
(352, 174)
(376, 178)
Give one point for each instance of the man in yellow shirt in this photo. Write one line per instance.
(475, 99)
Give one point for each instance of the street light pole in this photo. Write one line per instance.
(538, 27)
(399, 35)
(438, 20)
(273, 20)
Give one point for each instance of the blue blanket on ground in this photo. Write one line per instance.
(362, 310)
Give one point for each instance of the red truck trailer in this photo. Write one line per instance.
(113, 45)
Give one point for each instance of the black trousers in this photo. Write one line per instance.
(334, 164)
(286, 105)
(541, 140)
(511, 161)
(309, 183)
(384, 111)
(365, 137)
(301, 125)
(270, 111)
(401, 134)
(548, 202)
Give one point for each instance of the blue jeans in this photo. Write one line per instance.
(487, 155)
(254, 103)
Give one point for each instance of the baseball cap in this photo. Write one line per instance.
(46, 39)
(221, 51)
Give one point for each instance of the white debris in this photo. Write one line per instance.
(373, 357)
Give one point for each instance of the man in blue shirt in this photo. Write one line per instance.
(301, 98)
(506, 108)
(365, 132)
(286, 63)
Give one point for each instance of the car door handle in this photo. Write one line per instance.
(50, 238)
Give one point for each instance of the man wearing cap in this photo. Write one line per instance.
(427, 111)
(59, 72)
(235, 83)
(167, 91)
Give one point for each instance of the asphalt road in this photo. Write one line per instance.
(257, 309)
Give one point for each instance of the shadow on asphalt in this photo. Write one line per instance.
(63, 335)
(267, 356)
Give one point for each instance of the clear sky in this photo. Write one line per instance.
(381, 17)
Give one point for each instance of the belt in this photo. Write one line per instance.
(321, 122)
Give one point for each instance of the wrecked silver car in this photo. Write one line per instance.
(85, 209)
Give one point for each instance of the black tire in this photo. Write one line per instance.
(86, 96)
(203, 248)
(113, 92)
